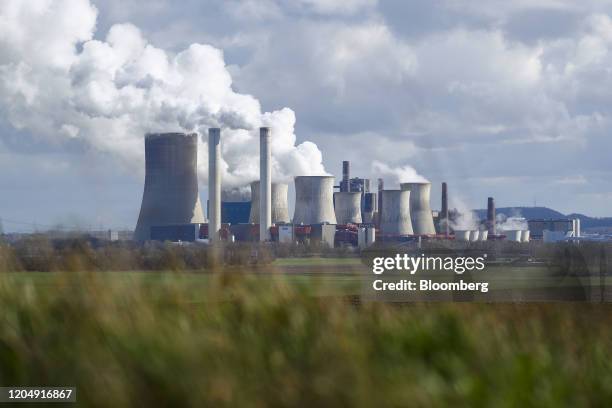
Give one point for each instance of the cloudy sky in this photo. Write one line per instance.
(504, 98)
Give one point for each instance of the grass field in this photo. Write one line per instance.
(281, 337)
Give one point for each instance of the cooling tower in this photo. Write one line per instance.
(314, 200)
(347, 207)
(369, 208)
(265, 187)
(171, 183)
(280, 209)
(484, 235)
(395, 216)
(474, 235)
(420, 211)
(214, 183)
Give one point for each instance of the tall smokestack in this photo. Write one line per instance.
(265, 185)
(443, 218)
(381, 187)
(345, 184)
(491, 215)
(214, 184)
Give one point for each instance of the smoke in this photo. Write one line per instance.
(464, 218)
(63, 86)
(514, 222)
(396, 175)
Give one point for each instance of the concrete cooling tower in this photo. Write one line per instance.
(348, 207)
(171, 183)
(280, 208)
(420, 211)
(314, 200)
(395, 216)
(369, 208)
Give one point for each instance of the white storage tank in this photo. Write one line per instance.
(462, 235)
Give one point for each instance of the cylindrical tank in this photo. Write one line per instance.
(280, 208)
(395, 216)
(420, 210)
(484, 235)
(514, 235)
(474, 235)
(265, 187)
(214, 183)
(462, 235)
(525, 234)
(314, 200)
(347, 206)
(171, 183)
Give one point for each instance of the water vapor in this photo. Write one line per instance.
(61, 83)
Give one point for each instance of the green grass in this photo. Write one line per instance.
(259, 340)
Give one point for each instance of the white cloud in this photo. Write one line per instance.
(112, 91)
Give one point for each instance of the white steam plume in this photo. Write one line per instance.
(465, 218)
(60, 84)
(402, 174)
(515, 222)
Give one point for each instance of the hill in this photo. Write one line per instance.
(587, 223)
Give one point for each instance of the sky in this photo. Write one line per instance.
(509, 99)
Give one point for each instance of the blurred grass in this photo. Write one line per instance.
(229, 339)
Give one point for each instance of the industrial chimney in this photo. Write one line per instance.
(280, 208)
(265, 187)
(395, 218)
(347, 207)
(345, 184)
(443, 217)
(420, 210)
(314, 200)
(381, 187)
(171, 183)
(491, 215)
(214, 183)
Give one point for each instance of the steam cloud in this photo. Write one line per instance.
(61, 84)
(465, 219)
(403, 174)
(514, 222)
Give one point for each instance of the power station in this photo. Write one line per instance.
(352, 215)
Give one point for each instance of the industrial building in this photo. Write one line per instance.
(538, 227)
(235, 206)
(353, 215)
